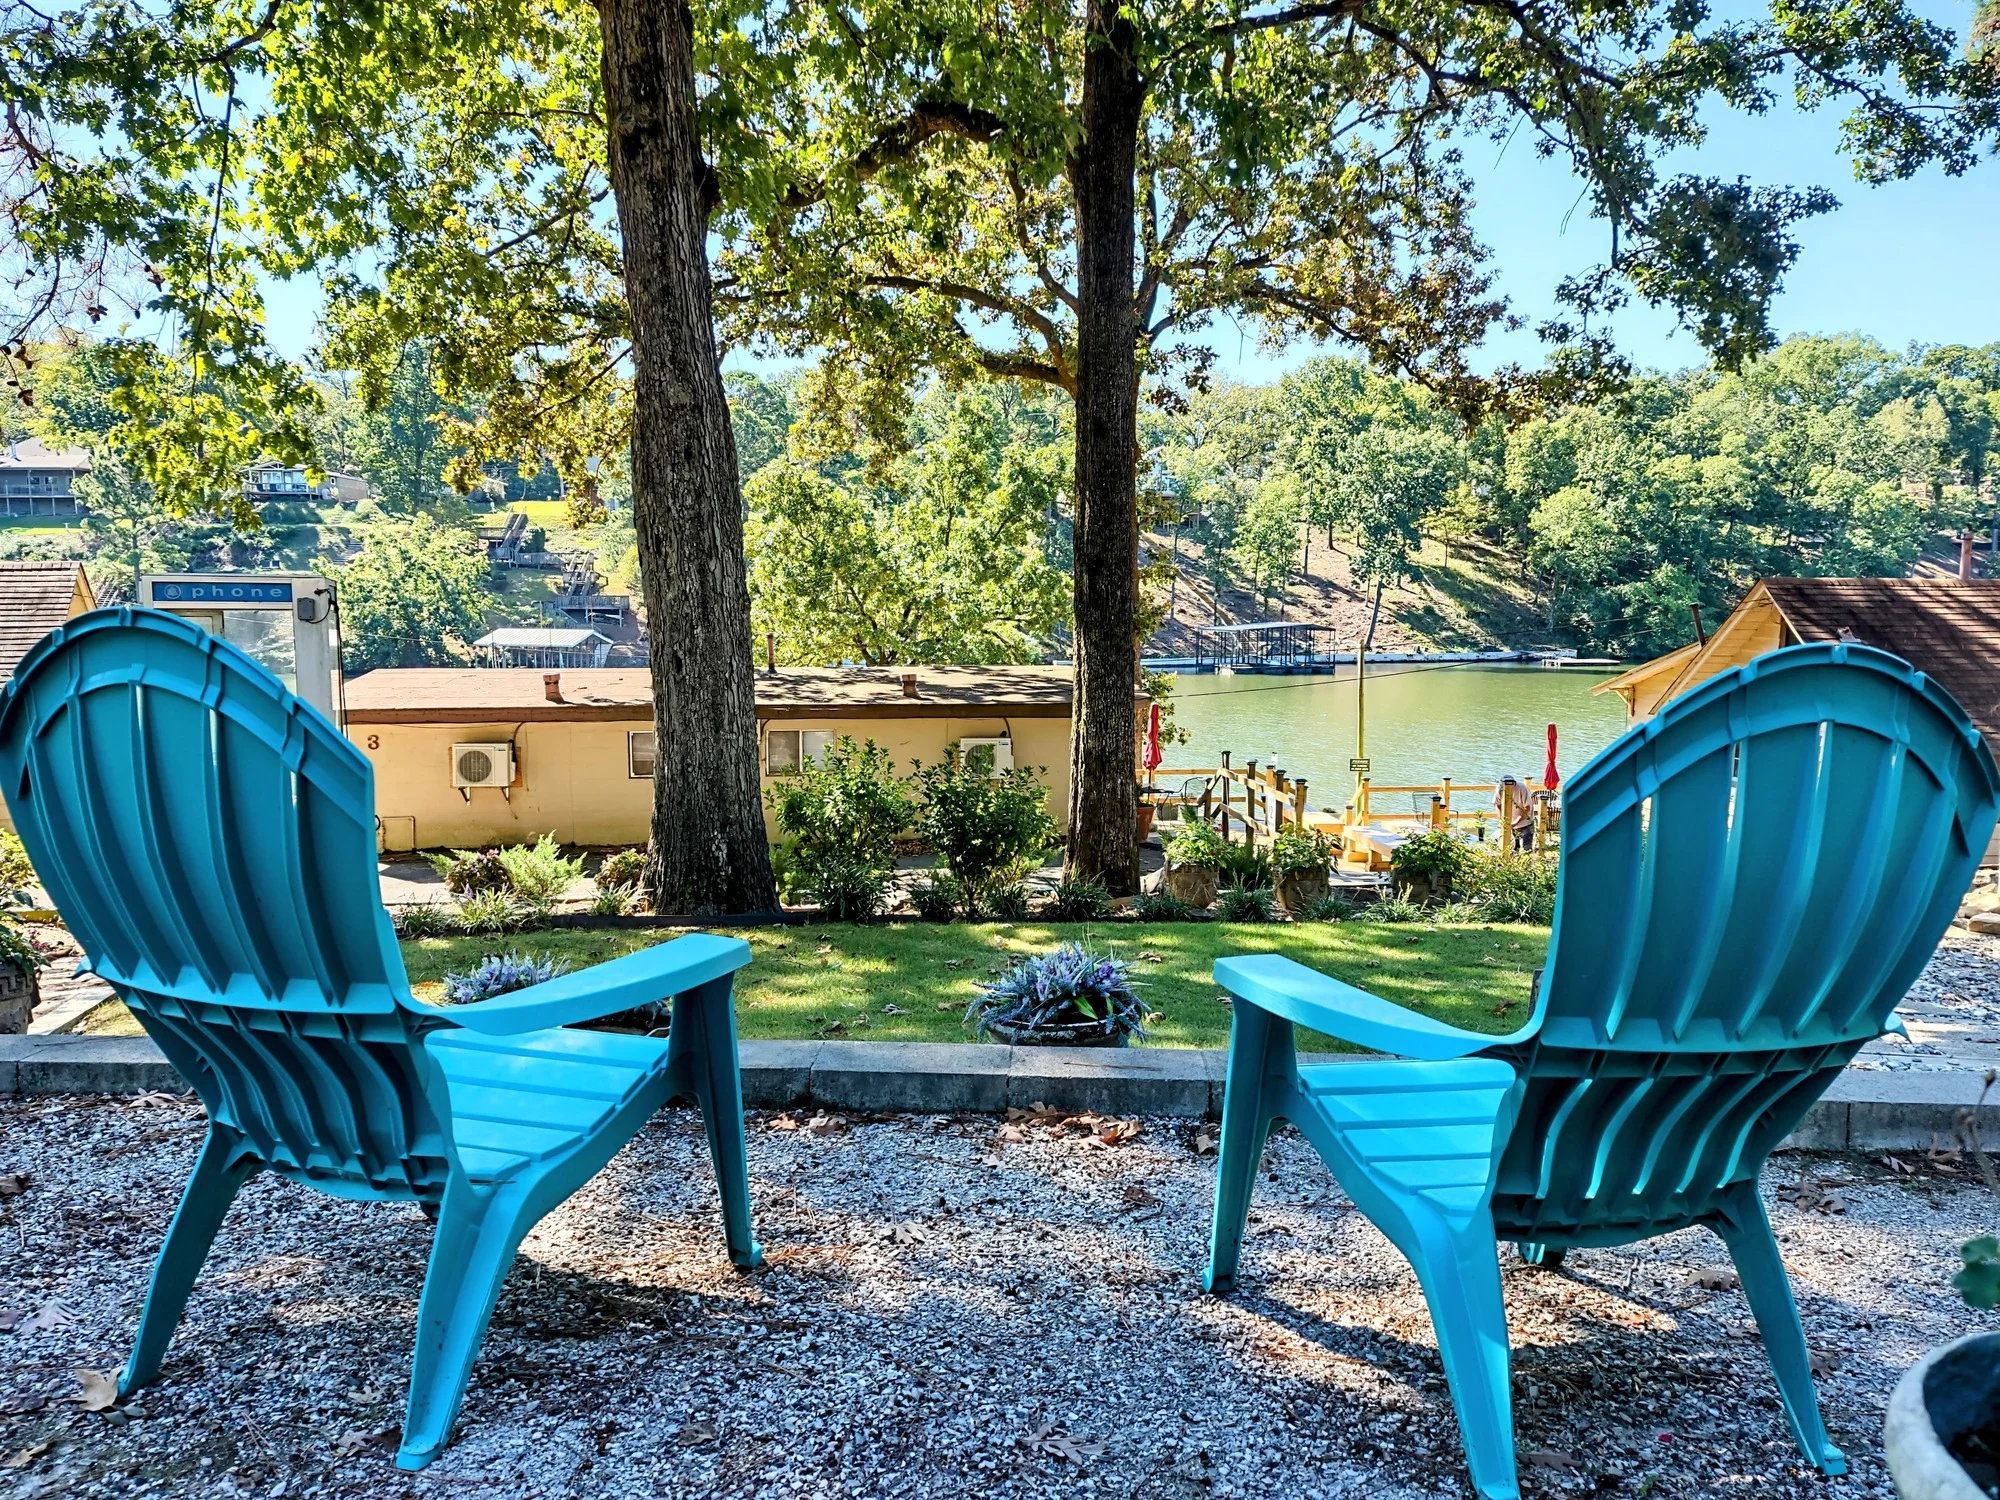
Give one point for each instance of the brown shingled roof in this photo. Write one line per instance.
(471, 695)
(1945, 628)
(35, 597)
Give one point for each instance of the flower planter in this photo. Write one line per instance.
(1194, 884)
(1299, 889)
(1055, 1036)
(1146, 811)
(1950, 1394)
(18, 993)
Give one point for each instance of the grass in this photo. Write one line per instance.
(40, 525)
(550, 515)
(911, 982)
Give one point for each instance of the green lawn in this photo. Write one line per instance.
(911, 982)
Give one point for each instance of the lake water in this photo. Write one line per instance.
(1471, 723)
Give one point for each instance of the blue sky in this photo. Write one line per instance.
(1915, 261)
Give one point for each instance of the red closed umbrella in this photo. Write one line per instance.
(1549, 778)
(1151, 757)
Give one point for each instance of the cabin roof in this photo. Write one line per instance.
(469, 695)
(1675, 660)
(33, 453)
(526, 635)
(36, 597)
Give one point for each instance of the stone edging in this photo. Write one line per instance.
(1865, 1110)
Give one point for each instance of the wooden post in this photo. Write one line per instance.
(1438, 824)
(1444, 788)
(1361, 799)
(1299, 801)
(1507, 815)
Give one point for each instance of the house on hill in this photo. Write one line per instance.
(37, 480)
(469, 756)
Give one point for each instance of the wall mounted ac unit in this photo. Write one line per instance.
(995, 754)
(482, 765)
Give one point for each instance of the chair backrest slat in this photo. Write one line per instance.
(1750, 883)
(210, 841)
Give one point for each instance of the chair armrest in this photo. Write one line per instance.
(603, 989)
(1275, 983)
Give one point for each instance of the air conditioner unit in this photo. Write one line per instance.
(995, 753)
(482, 765)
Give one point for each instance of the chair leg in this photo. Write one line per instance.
(219, 1171)
(477, 1237)
(1460, 1276)
(1534, 1253)
(1754, 1249)
(1257, 1041)
(704, 1038)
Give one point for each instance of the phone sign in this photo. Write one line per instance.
(223, 592)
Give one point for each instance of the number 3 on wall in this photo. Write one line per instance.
(374, 742)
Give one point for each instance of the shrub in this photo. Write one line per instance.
(1245, 868)
(1197, 845)
(501, 974)
(16, 870)
(791, 880)
(466, 871)
(937, 899)
(1164, 906)
(1247, 903)
(847, 887)
(987, 829)
(1396, 909)
(1297, 848)
(538, 872)
(849, 803)
(1434, 860)
(1068, 991)
(495, 911)
(1078, 901)
(614, 900)
(1329, 909)
(626, 867)
(18, 951)
(1513, 886)
(1006, 903)
(428, 919)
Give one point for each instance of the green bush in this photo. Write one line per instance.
(1513, 886)
(1006, 903)
(626, 867)
(1197, 846)
(1078, 901)
(1297, 848)
(614, 900)
(485, 912)
(1247, 903)
(1164, 906)
(467, 871)
(1436, 860)
(15, 869)
(538, 872)
(427, 919)
(840, 816)
(1396, 909)
(791, 880)
(938, 899)
(989, 830)
(847, 887)
(1329, 909)
(1244, 868)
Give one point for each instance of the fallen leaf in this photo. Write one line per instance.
(13, 1184)
(1117, 1132)
(824, 948)
(894, 1010)
(1010, 1134)
(784, 1122)
(947, 1005)
(1823, 1361)
(1148, 956)
(1898, 1165)
(694, 1434)
(99, 1393)
(1548, 1458)
(1204, 1144)
(27, 1456)
(154, 1099)
(20, 1406)
(1223, 1000)
(907, 1232)
(350, 1443)
(1135, 1195)
(1056, 1443)
(956, 963)
(54, 1315)
(9, 1318)
(1716, 1280)
(825, 1124)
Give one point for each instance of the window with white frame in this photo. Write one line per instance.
(639, 754)
(786, 751)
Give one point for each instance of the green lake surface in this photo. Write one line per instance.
(1471, 723)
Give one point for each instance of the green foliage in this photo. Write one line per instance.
(1979, 1282)
(1164, 906)
(938, 899)
(1078, 901)
(487, 912)
(614, 900)
(1245, 868)
(622, 867)
(1197, 845)
(538, 872)
(414, 596)
(16, 870)
(986, 829)
(847, 804)
(502, 974)
(1059, 995)
(17, 949)
(1329, 909)
(1297, 848)
(1512, 886)
(1007, 903)
(1436, 858)
(847, 886)
(426, 919)
(465, 871)
(1246, 903)
(1395, 909)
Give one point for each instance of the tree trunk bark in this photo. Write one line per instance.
(709, 854)
(1104, 802)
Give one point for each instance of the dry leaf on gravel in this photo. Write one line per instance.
(1204, 1144)
(1548, 1458)
(1134, 1195)
(20, 1406)
(1056, 1443)
(155, 1099)
(825, 1124)
(13, 1184)
(907, 1232)
(694, 1434)
(26, 1456)
(52, 1316)
(1012, 1135)
(99, 1391)
(784, 1122)
(1116, 1132)
(1816, 1197)
(1823, 1362)
(1716, 1280)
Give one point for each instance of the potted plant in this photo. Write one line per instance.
(20, 979)
(1146, 812)
(1194, 854)
(1069, 998)
(1299, 860)
(1430, 866)
(1942, 1432)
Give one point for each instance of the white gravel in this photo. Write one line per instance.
(942, 1315)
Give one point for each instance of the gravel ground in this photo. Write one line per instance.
(952, 1307)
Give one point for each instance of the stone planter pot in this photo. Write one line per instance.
(1299, 889)
(18, 994)
(1055, 1036)
(1950, 1392)
(1146, 811)
(1416, 888)
(1194, 884)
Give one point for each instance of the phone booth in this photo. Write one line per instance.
(290, 622)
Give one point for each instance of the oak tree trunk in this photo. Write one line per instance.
(1104, 803)
(709, 854)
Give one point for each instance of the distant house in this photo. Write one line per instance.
(36, 597)
(1947, 628)
(466, 756)
(534, 647)
(277, 482)
(37, 480)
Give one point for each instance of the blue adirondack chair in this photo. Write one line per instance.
(210, 840)
(1750, 882)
